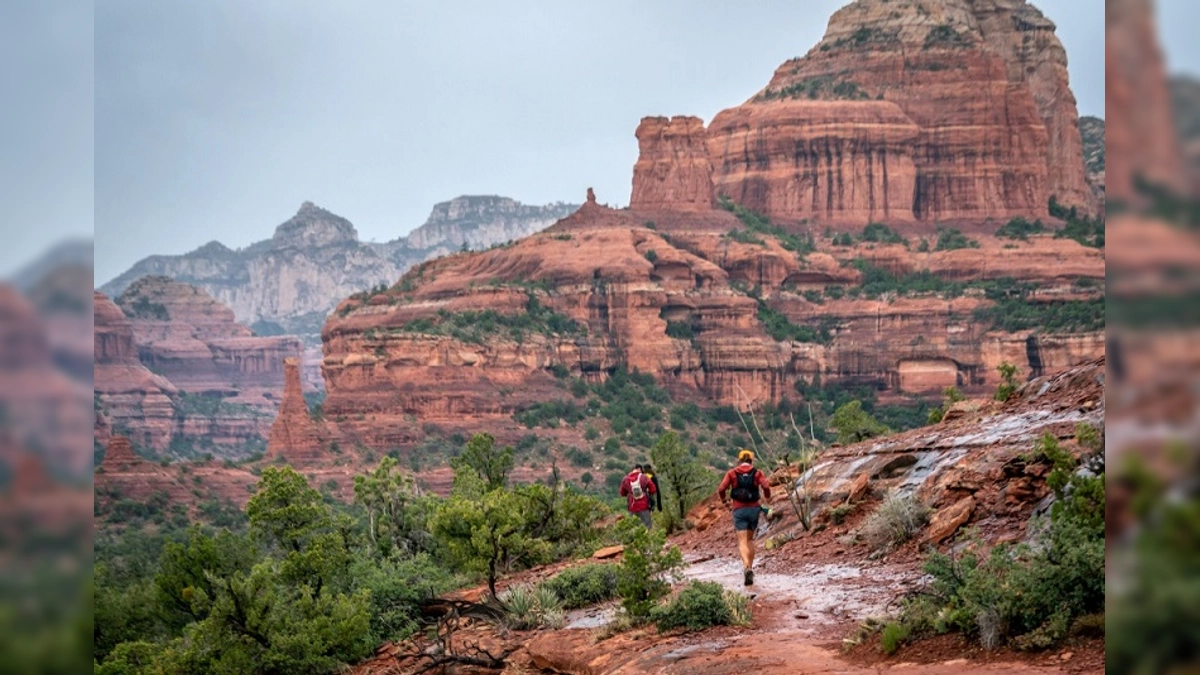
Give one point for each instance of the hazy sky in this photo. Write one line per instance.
(215, 120)
(45, 126)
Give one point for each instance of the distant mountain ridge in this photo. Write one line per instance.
(290, 282)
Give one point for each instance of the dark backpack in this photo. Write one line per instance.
(745, 490)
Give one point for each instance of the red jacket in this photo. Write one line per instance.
(635, 505)
(730, 481)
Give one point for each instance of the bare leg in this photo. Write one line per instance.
(746, 547)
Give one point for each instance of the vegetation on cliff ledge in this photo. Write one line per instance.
(476, 326)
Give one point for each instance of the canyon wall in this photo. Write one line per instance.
(178, 375)
(687, 307)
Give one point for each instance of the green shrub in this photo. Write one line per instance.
(893, 635)
(475, 327)
(838, 513)
(894, 522)
(854, 424)
(652, 256)
(680, 330)
(1026, 595)
(647, 568)
(1016, 314)
(579, 458)
(1008, 382)
(878, 232)
(781, 329)
(584, 585)
(527, 607)
(760, 224)
(700, 605)
(1019, 228)
(950, 239)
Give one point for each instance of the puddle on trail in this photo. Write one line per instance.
(591, 617)
(826, 592)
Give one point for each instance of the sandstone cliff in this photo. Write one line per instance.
(673, 170)
(1138, 103)
(184, 334)
(930, 110)
(177, 374)
(287, 284)
(1185, 99)
(1092, 129)
(130, 397)
(477, 336)
(41, 405)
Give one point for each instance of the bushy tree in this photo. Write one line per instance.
(647, 568)
(1008, 381)
(486, 533)
(683, 478)
(854, 424)
(481, 456)
(293, 522)
(396, 514)
(261, 623)
(188, 568)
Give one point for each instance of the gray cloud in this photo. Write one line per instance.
(215, 120)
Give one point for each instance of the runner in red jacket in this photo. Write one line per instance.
(636, 488)
(746, 485)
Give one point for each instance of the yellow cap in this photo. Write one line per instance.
(744, 455)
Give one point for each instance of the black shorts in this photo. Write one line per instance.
(746, 518)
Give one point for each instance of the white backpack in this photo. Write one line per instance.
(635, 488)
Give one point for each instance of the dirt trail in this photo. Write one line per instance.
(800, 616)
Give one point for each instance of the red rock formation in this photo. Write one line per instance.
(673, 171)
(190, 338)
(42, 406)
(1025, 39)
(294, 435)
(604, 277)
(955, 109)
(832, 161)
(1141, 133)
(132, 398)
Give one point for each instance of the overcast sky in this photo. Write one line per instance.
(215, 120)
(45, 126)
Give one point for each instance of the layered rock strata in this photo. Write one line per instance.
(42, 407)
(686, 306)
(930, 110)
(187, 336)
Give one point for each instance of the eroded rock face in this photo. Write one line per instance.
(130, 395)
(673, 170)
(40, 402)
(294, 435)
(174, 370)
(187, 336)
(1138, 103)
(628, 289)
(929, 110)
(832, 161)
(972, 467)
